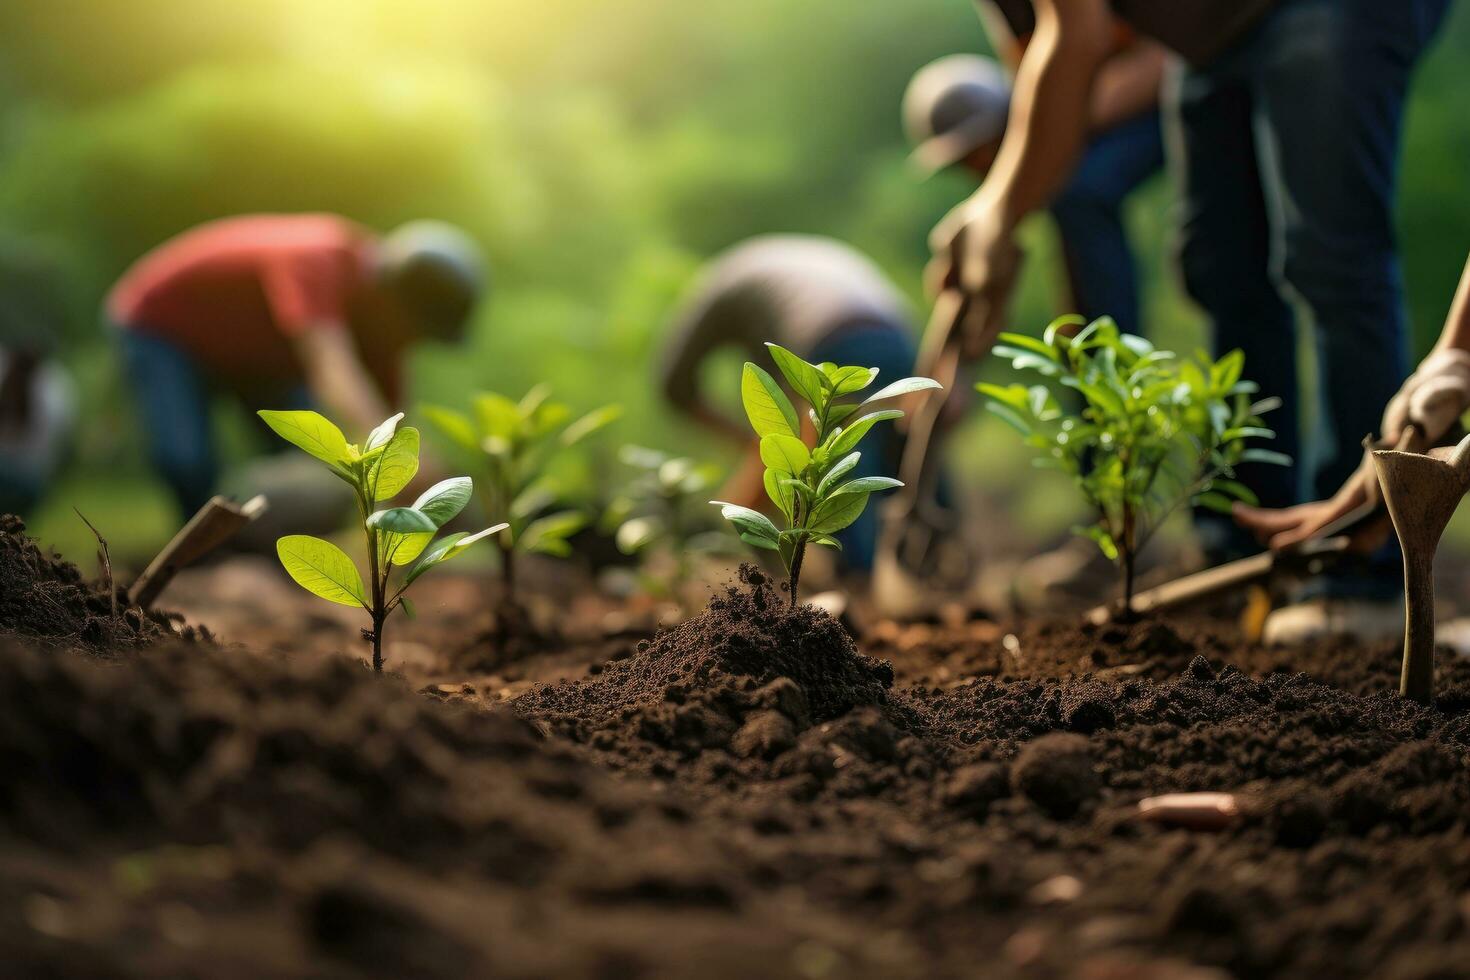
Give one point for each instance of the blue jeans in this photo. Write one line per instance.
(1289, 159)
(1089, 217)
(890, 348)
(174, 397)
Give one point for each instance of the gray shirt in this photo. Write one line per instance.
(793, 290)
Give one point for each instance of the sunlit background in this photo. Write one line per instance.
(600, 149)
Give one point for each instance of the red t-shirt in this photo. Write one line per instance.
(232, 292)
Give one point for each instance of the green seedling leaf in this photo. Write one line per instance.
(496, 416)
(853, 434)
(402, 520)
(837, 512)
(322, 569)
(454, 426)
(750, 523)
(851, 380)
(548, 535)
(447, 547)
(379, 437)
(396, 468)
(409, 609)
(1267, 456)
(904, 387)
(805, 379)
(787, 454)
(766, 405)
(592, 422)
(404, 549)
(640, 532)
(1009, 342)
(839, 469)
(310, 432)
(1217, 502)
(867, 484)
(442, 502)
(780, 493)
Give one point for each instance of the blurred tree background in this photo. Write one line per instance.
(599, 148)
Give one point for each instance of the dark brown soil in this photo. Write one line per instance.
(745, 795)
(43, 598)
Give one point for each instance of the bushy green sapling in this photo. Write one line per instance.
(661, 510)
(804, 473)
(512, 446)
(1154, 430)
(396, 537)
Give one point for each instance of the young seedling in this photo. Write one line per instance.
(1154, 431)
(512, 444)
(1422, 492)
(397, 537)
(804, 477)
(661, 510)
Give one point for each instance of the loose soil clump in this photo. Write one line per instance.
(44, 598)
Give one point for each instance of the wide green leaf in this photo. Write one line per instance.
(851, 380)
(748, 521)
(780, 492)
(837, 512)
(322, 568)
(402, 520)
(854, 433)
(868, 484)
(902, 387)
(403, 549)
(396, 468)
(787, 454)
(444, 500)
(766, 405)
(805, 379)
(839, 469)
(311, 432)
(496, 416)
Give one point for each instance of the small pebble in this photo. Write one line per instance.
(1192, 811)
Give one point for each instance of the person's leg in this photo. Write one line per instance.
(1088, 213)
(173, 407)
(1224, 253)
(890, 348)
(1331, 84)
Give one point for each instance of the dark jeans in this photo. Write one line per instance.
(1289, 150)
(1089, 216)
(890, 348)
(173, 397)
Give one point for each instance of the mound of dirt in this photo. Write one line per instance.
(43, 597)
(745, 677)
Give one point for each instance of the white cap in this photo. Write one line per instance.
(954, 106)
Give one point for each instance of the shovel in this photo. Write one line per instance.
(215, 523)
(1422, 491)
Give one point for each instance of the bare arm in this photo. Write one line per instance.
(1456, 332)
(1128, 84)
(336, 377)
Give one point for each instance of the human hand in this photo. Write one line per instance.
(1285, 527)
(978, 255)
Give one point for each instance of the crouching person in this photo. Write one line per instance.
(281, 311)
(818, 298)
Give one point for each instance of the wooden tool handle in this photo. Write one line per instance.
(215, 523)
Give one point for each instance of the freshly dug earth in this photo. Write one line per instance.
(43, 598)
(744, 795)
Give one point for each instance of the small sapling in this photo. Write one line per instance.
(1154, 431)
(513, 445)
(661, 510)
(397, 537)
(805, 465)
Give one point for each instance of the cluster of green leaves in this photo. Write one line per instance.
(662, 509)
(1154, 430)
(397, 537)
(512, 444)
(805, 479)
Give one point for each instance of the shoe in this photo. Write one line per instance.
(1365, 620)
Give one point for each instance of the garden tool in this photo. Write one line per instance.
(1422, 491)
(215, 523)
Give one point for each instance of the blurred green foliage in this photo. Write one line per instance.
(599, 149)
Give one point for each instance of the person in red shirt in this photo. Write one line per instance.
(282, 310)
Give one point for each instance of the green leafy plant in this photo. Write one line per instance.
(1154, 431)
(512, 445)
(804, 477)
(662, 510)
(396, 537)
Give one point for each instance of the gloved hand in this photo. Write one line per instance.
(1432, 399)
